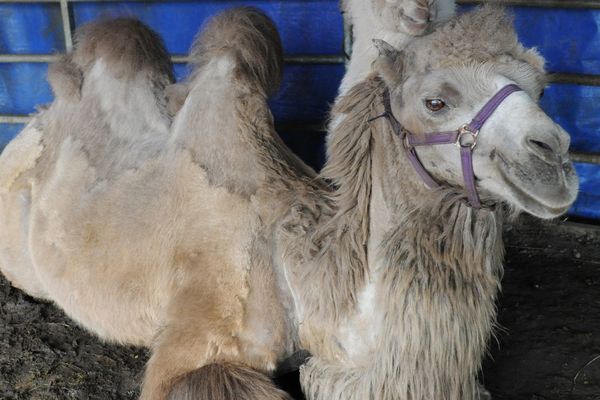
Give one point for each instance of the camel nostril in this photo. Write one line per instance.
(543, 150)
(540, 145)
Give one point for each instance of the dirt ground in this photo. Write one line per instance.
(547, 349)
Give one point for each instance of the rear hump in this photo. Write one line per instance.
(253, 39)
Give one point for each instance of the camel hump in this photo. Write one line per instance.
(126, 45)
(253, 39)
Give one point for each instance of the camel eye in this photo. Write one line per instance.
(435, 104)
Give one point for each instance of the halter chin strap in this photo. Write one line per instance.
(465, 138)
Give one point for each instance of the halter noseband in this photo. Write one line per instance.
(464, 137)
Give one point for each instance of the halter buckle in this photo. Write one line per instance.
(466, 137)
(405, 139)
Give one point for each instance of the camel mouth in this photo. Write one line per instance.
(528, 201)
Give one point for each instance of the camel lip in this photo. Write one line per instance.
(523, 196)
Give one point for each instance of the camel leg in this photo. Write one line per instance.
(225, 381)
(197, 355)
(173, 374)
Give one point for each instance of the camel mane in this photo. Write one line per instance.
(342, 238)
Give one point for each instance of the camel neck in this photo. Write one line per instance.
(434, 265)
(439, 219)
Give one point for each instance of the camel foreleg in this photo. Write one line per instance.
(198, 355)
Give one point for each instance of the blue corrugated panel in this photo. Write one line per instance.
(30, 28)
(576, 109)
(27, 28)
(307, 92)
(309, 146)
(569, 39)
(588, 201)
(22, 87)
(306, 27)
(7, 132)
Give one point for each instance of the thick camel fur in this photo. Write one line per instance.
(174, 217)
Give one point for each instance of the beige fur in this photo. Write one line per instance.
(207, 240)
(225, 382)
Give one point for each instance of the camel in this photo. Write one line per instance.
(174, 217)
(394, 21)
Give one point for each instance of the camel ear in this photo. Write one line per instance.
(176, 95)
(534, 58)
(389, 63)
(65, 78)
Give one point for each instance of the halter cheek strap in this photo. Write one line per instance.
(465, 138)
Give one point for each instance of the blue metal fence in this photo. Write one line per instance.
(313, 38)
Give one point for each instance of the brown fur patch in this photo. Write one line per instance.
(225, 382)
(176, 95)
(126, 45)
(252, 37)
(65, 78)
(478, 36)
(338, 242)
(473, 36)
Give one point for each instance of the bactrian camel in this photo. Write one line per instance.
(394, 21)
(207, 240)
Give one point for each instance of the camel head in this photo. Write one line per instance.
(441, 81)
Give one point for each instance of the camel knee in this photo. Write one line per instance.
(225, 381)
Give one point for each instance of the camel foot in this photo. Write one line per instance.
(408, 16)
(225, 382)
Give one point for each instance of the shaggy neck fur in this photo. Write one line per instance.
(327, 232)
(435, 268)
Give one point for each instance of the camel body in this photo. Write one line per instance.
(204, 238)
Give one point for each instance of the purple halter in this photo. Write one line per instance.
(464, 137)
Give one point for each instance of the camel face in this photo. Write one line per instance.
(520, 156)
(523, 159)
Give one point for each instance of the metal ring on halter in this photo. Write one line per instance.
(464, 132)
(406, 142)
(465, 138)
